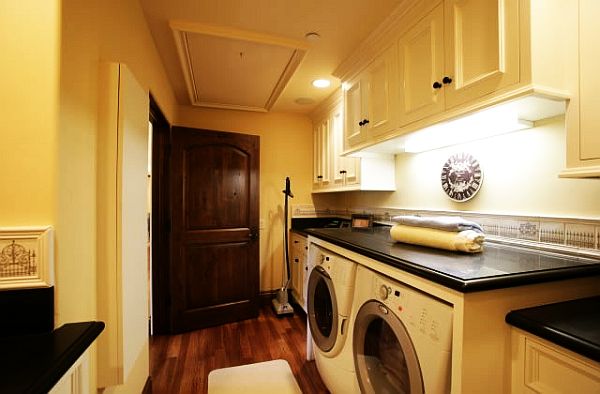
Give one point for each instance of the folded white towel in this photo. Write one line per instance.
(465, 241)
(445, 223)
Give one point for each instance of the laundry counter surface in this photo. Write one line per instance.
(34, 363)
(498, 266)
(574, 324)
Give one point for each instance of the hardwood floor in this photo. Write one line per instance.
(181, 363)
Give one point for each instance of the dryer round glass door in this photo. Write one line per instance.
(322, 309)
(384, 356)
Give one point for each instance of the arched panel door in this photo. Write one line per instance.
(384, 356)
(214, 271)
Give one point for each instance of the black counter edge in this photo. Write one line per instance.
(553, 335)
(465, 286)
(68, 358)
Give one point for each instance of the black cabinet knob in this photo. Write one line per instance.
(342, 172)
(296, 260)
(447, 80)
(437, 85)
(360, 123)
(319, 176)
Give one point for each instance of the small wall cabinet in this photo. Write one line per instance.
(334, 172)
(583, 137)
(371, 100)
(539, 366)
(459, 52)
(299, 268)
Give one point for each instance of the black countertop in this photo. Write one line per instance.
(35, 363)
(574, 325)
(498, 266)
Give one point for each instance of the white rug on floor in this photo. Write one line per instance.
(267, 377)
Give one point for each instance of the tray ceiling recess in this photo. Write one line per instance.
(237, 69)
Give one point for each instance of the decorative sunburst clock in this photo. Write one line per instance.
(461, 177)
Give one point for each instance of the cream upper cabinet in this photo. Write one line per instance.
(583, 134)
(460, 51)
(421, 67)
(334, 172)
(321, 155)
(481, 48)
(370, 100)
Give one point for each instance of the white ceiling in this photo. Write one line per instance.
(252, 54)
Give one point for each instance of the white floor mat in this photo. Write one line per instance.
(267, 377)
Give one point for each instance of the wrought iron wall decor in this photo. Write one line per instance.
(26, 257)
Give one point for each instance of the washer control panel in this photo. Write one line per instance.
(424, 316)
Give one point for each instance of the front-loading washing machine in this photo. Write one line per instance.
(330, 293)
(402, 338)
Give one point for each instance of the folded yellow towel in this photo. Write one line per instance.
(465, 241)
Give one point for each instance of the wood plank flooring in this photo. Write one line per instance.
(181, 363)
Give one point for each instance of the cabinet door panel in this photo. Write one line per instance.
(482, 47)
(353, 102)
(588, 80)
(344, 168)
(321, 161)
(421, 63)
(382, 93)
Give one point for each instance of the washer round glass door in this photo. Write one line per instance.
(384, 356)
(322, 309)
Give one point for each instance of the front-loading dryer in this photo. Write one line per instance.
(330, 294)
(402, 337)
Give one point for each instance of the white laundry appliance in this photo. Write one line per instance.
(330, 293)
(401, 337)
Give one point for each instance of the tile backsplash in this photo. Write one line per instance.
(565, 234)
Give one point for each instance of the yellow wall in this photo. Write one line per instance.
(520, 177)
(285, 150)
(94, 31)
(29, 32)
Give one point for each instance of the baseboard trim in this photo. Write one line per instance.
(148, 386)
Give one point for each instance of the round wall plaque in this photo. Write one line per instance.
(461, 177)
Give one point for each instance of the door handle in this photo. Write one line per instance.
(253, 234)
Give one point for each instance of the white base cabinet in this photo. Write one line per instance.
(539, 366)
(299, 268)
(77, 378)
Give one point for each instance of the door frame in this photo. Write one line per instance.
(161, 220)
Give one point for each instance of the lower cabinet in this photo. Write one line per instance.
(539, 366)
(77, 378)
(299, 268)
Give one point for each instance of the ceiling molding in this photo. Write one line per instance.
(182, 31)
(406, 14)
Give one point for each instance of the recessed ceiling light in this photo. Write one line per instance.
(312, 36)
(321, 83)
(304, 101)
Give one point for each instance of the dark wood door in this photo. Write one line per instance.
(214, 204)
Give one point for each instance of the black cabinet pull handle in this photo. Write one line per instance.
(360, 123)
(343, 172)
(437, 85)
(319, 176)
(365, 121)
(295, 241)
(447, 80)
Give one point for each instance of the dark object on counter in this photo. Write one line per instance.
(26, 311)
(574, 325)
(32, 364)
